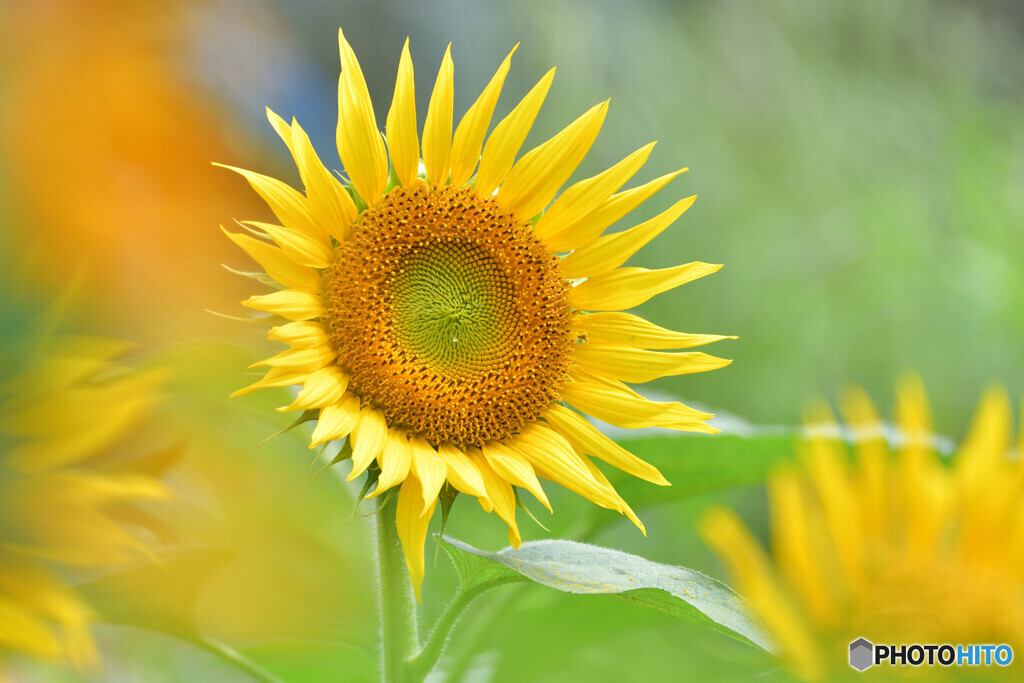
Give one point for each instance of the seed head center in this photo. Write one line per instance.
(449, 315)
(452, 306)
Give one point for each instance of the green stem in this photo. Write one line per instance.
(423, 663)
(229, 654)
(237, 659)
(399, 638)
(480, 626)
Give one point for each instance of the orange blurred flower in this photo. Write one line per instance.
(106, 148)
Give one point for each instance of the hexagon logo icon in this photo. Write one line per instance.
(862, 654)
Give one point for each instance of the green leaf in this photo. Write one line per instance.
(344, 453)
(584, 569)
(447, 497)
(372, 476)
(698, 464)
(475, 569)
(306, 416)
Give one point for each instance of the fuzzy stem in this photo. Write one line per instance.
(423, 663)
(398, 607)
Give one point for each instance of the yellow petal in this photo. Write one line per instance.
(368, 438)
(287, 203)
(988, 478)
(300, 359)
(508, 136)
(636, 365)
(437, 130)
(35, 590)
(69, 358)
(586, 196)
(77, 423)
(872, 457)
(275, 377)
(306, 250)
(754, 578)
(35, 587)
(988, 440)
(24, 631)
(359, 141)
(629, 287)
(277, 264)
(913, 418)
(288, 303)
(534, 179)
(1020, 443)
(299, 335)
(336, 421)
(394, 460)
(429, 469)
(839, 509)
(629, 411)
(617, 206)
(80, 648)
(626, 329)
(514, 468)
(322, 388)
(403, 144)
(93, 490)
(553, 458)
(84, 537)
(586, 440)
(469, 136)
(326, 197)
(619, 503)
(578, 374)
(462, 473)
(412, 529)
(61, 416)
(499, 495)
(608, 252)
(801, 544)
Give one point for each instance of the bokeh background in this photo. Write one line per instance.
(860, 172)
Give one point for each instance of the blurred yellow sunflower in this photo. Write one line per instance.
(444, 313)
(897, 545)
(67, 490)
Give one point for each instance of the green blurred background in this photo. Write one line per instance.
(860, 167)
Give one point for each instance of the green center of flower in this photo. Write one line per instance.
(449, 315)
(453, 306)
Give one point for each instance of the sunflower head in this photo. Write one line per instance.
(458, 324)
(66, 487)
(897, 544)
(445, 305)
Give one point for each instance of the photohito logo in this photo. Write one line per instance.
(861, 654)
(864, 654)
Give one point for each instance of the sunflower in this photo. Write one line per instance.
(897, 545)
(444, 314)
(66, 489)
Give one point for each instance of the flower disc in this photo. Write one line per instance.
(449, 315)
